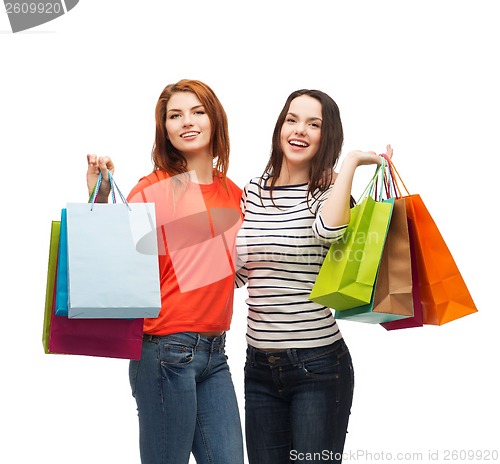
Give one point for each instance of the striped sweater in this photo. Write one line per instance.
(281, 247)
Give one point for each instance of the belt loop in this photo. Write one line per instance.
(293, 356)
(252, 351)
(221, 341)
(216, 343)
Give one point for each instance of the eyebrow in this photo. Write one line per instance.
(308, 119)
(193, 108)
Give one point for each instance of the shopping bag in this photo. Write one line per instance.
(111, 338)
(347, 275)
(51, 282)
(392, 297)
(444, 293)
(108, 276)
(394, 291)
(61, 303)
(417, 319)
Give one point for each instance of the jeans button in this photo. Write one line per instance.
(272, 359)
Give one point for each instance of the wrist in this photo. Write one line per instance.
(350, 163)
(101, 198)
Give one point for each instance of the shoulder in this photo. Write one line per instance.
(156, 176)
(145, 182)
(323, 193)
(319, 197)
(256, 182)
(233, 187)
(252, 187)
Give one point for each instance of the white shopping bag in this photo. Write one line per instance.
(109, 277)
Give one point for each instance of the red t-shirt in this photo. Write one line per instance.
(196, 226)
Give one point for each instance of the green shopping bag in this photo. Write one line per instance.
(392, 297)
(51, 281)
(348, 273)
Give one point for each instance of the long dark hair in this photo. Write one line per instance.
(164, 155)
(332, 139)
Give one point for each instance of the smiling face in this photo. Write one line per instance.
(301, 131)
(188, 125)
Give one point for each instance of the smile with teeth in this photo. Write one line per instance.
(298, 143)
(189, 134)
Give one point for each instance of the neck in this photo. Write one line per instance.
(203, 168)
(292, 176)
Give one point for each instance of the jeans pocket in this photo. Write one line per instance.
(176, 355)
(322, 368)
(326, 366)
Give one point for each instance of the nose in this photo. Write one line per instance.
(187, 120)
(300, 129)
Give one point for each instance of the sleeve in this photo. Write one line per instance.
(236, 191)
(321, 231)
(243, 200)
(241, 277)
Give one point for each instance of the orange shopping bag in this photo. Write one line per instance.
(444, 294)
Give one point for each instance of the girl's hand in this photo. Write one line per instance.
(96, 165)
(360, 158)
(388, 151)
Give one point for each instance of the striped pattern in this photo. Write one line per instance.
(281, 248)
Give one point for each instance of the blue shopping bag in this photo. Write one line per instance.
(61, 303)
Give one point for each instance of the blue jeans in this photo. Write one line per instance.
(186, 401)
(297, 403)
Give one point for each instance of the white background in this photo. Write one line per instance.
(422, 76)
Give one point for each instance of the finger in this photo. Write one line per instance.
(92, 160)
(109, 163)
(389, 151)
(103, 168)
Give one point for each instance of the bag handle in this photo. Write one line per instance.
(382, 186)
(97, 186)
(112, 183)
(374, 187)
(392, 189)
(395, 178)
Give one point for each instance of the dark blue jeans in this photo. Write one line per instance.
(186, 401)
(297, 404)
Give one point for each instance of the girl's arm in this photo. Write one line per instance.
(336, 209)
